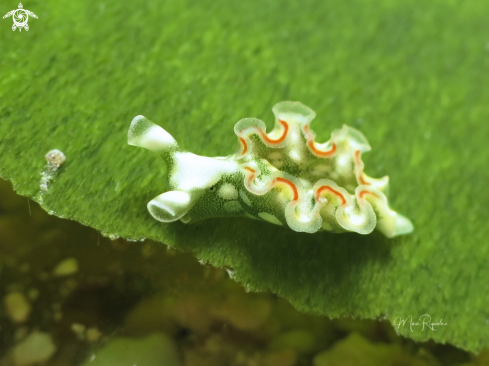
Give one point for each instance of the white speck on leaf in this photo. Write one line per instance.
(55, 158)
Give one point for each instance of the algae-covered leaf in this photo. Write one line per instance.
(410, 75)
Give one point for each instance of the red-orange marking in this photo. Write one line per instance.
(252, 176)
(281, 138)
(330, 152)
(357, 156)
(292, 185)
(310, 143)
(363, 181)
(360, 176)
(328, 188)
(363, 193)
(245, 146)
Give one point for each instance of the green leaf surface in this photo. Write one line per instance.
(411, 75)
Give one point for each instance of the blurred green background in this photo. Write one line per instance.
(411, 75)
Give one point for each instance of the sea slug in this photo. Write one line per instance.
(283, 177)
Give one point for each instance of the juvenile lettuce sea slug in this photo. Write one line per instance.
(283, 177)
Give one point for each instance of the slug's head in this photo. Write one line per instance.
(193, 179)
(196, 192)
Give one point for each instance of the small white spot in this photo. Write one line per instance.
(427, 135)
(269, 218)
(294, 155)
(55, 159)
(228, 192)
(343, 161)
(244, 197)
(233, 206)
(293, 137)
(354, 217)
(110, 236)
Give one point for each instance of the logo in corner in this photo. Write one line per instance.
(20, 17)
